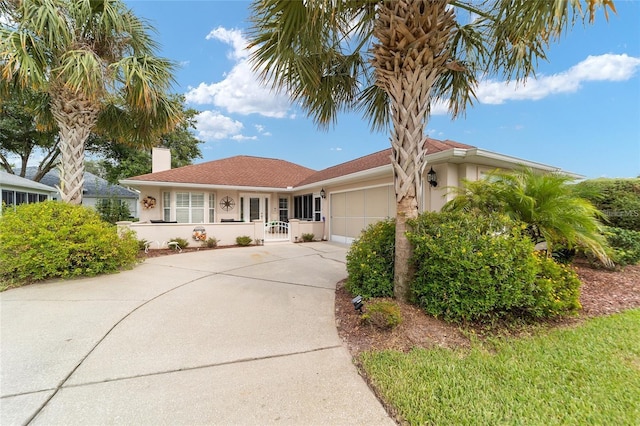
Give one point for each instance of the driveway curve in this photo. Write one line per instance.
(241, 336)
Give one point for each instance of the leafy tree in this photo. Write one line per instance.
(24, 131)
(552, 209)
(393, 58)
(96, 63)
(121, 161)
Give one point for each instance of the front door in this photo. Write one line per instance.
(255, 207)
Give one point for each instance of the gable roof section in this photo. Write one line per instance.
(94, 186)
(241, 170)
(377, 159)
(11, 180)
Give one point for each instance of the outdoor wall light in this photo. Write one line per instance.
(323, 194)
(357, 303)
(432, 178)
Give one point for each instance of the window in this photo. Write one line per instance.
(317, 209)
(303, 207)
(284, 209)
(11, 197)
(212, 208)
(166, 206)
(21, 198)
(189, 207)
(8, 197)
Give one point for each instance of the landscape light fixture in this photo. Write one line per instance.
(432, 178)
(357, 303)
(323, 194)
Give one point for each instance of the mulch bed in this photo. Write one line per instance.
(603, 292)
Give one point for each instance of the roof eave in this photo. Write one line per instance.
(144, 183)
(493, 159)
(363, 174)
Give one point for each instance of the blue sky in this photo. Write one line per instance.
(581, 113)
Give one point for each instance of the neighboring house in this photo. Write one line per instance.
(18, 190)
(95, 188)
(226, 197)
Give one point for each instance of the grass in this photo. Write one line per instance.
(585, 375)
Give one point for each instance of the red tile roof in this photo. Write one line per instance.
(241, 170)
(377, 159)
(261, 172)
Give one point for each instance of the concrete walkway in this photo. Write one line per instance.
(240, 336)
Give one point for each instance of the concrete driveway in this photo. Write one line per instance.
(230, 337)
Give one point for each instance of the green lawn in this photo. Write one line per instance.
(585, 375)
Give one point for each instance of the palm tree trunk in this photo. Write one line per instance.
(411, 54)
(75, 115)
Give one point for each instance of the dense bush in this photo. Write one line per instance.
(383, 314)
(113, 210)
(211, 242)
(307, 238)
(618, 199)
(557, 289)
(370, 261)
(471, 267)
(243, 240)
(53, 239)
(625, 244)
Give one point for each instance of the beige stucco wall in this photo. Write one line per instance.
(160, 234)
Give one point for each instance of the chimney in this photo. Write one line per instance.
(160, 159)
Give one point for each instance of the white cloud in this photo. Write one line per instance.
(232, 37)
(211, 125)
(608, 67)
(262, 130)
(241, 91)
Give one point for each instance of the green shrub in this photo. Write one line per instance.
(618, 199)
(557, 289)
(52, 239)
(182, 242)
(211, 242)
(625, 244)
(142, 244)
(471, 267)
(383, 314)
(307, 238)
(113, 210)
(243, 240)
(370, 261)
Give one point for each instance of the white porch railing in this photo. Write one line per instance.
(276, 231)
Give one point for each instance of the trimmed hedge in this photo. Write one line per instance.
(625, 244)
(370, 261)
(471, 267)
(482, 268)
(58, 240)
(557, 289)
(617, 199)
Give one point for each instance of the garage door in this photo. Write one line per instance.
(353, 211)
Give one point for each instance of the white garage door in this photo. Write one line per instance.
(353, 211)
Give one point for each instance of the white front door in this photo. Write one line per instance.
(254, 207)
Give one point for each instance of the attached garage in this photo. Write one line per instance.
(353, 211)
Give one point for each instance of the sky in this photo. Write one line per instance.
(580, 113)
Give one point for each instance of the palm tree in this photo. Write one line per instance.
(94, 60)
(551, 207)
(393, 59)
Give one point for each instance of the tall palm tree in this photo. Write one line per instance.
(94, 60)
(393, 59)
(552, 209)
